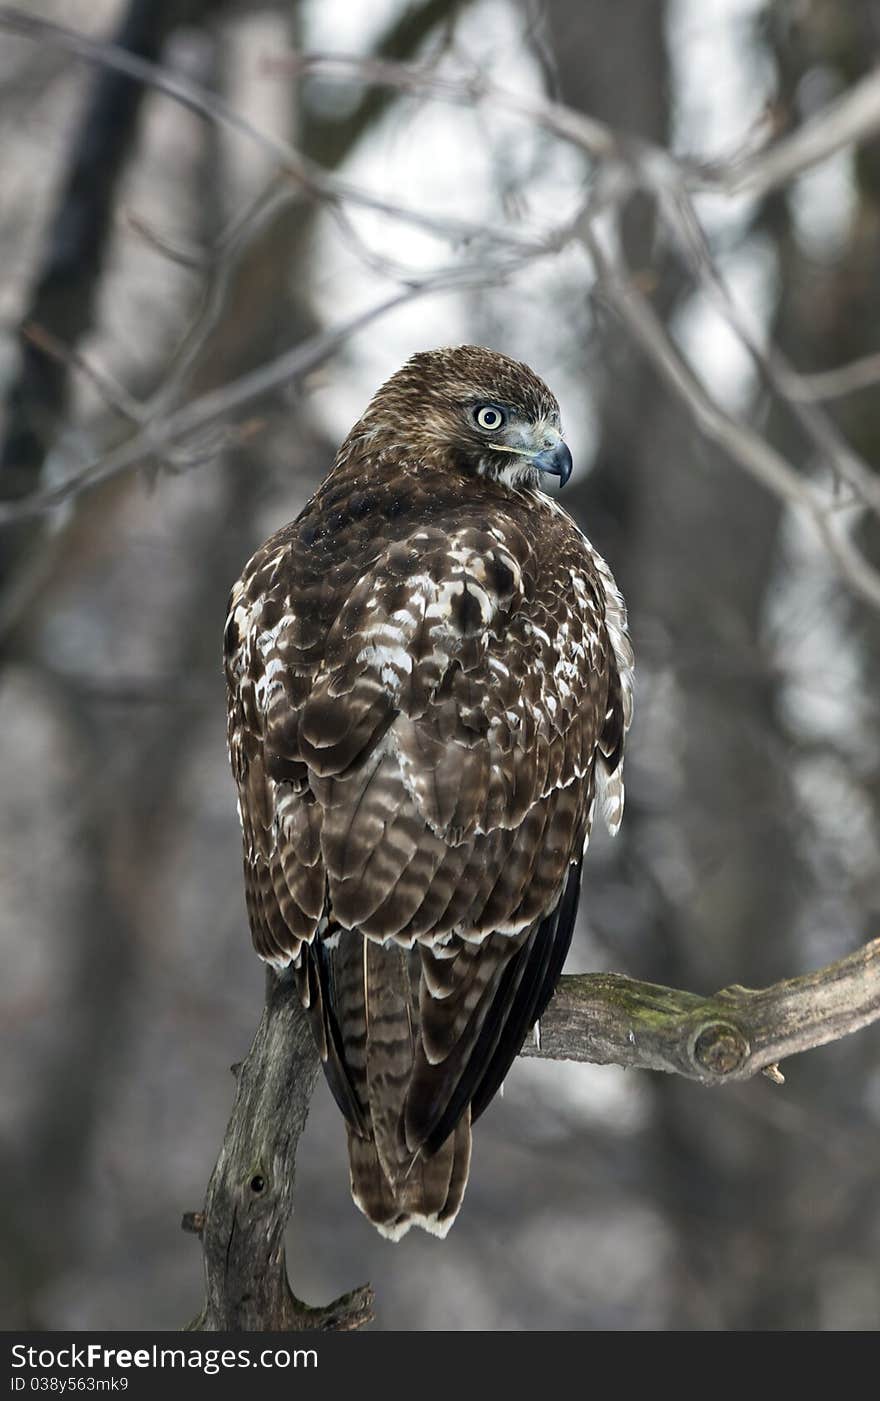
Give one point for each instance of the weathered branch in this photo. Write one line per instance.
(605, 1018)
(250, 1195)
(610, 1019)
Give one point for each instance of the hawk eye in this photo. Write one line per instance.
(490, 417)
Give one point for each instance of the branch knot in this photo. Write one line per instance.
(720, 1048)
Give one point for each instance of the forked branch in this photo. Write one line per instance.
(250, 1195)
(601, 1017)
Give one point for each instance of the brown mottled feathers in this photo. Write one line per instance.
(429, 680)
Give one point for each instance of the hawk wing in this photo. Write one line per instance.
(420, 768)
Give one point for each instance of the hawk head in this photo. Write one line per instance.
(470, 409)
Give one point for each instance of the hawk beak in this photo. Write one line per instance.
(556, 461)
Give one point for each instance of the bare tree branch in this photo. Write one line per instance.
(736, 437)
(863, 373)
(250, 1195)
(314, 182)
(200, 413)
(831, 447)
(605, 1018)
(853, 117)
(500, 249)
(66, 281)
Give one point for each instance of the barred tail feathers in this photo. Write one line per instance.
(429, 1196)
(396, 1185)
(415, 1044)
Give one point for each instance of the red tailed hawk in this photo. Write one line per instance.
(430, 681)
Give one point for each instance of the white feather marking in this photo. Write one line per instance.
(396, 1230)
(280, 962)
(383, 656)
(266, 640)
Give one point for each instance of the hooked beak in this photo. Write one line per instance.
(541, 445)
(555, 461)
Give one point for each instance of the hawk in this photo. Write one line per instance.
(429, 683)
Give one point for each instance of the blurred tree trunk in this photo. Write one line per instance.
(49, 1165)
(827, 316)
(708, 854)
(65, 290)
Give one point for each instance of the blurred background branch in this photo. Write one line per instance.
(624, 166)
(62, 295)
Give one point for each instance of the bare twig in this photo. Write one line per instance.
(498, 249)
(845, 379)
(743, 444)
(311, 178)
(115, 395)
(218, 404)
(831, 447)
(853, 117)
